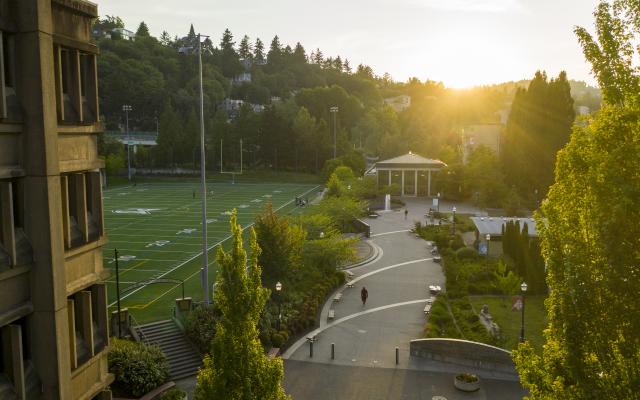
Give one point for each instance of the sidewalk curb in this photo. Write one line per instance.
(373, 256)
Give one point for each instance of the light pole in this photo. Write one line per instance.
(488, 237)
(278, 289)
(453, 211)
(334, 110)
(126, 108)
(523, 288)
(203, 183)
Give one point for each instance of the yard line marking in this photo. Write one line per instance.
(201, 253)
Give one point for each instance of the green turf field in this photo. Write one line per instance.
(156, 227)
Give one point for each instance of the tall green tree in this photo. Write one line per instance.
(143, 30)
(591, 235)
(538, 126)
(237, 368)
(258, 51)
(244, 50)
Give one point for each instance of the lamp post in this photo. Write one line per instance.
(203, 184)
(488, 237)
(453, 211)
(126, 108)
(334, 110)
(278, 289)
(438, 205)
(523, 288)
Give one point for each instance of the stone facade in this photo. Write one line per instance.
(53, 304)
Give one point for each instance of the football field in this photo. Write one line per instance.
(156, 228)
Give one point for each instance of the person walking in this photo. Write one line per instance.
(405, 214)
(363, 295)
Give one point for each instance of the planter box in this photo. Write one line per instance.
(466, 386)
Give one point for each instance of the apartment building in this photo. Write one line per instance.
(53, 312)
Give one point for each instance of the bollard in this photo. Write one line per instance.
(397, 356)
(333, 351)
(311, 349)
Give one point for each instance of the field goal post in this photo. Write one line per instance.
(232, 173)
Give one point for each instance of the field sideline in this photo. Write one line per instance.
(156, 227)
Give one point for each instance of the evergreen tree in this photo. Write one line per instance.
(143, 30)
(275, 51)
(244, 51)
(237, 368)
(337, 64)
(258, 51)
(299, 54)
(165, 38)
(169, 128)
(591, 235)
(318, 57)
(346, 66)
(227, 43)
(191, 36)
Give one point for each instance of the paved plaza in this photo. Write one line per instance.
(365, 337)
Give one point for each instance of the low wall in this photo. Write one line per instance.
(362, 227)
(463, 352)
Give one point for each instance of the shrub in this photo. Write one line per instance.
(469, 378)
(174, 394)
(138, 368)
(285, 335)
(277, 340)
(200, 327)
(466, 253)
(345, 174)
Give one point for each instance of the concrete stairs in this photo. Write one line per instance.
(184, 361)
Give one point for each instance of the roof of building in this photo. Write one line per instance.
(493, 225)
(410, 160)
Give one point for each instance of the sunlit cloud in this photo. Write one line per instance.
(491, 6)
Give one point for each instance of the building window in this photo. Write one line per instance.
(81, 208)
(9, 106)
(87, 311)
(15, 248)
(13, 359)
(76, 86)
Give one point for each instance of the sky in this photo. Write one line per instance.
(459, 42)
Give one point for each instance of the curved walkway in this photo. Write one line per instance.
(367, 336)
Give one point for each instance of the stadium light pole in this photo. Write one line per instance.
(126, 108)
(203, 183)
(334, 110)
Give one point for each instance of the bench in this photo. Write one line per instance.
(373, 215)
(332, 314)
(349, 274)
(350, 284)
(337, 297)
(427, 308)
(273, 353)
(311, 339)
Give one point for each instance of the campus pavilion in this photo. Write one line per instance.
(411, 172)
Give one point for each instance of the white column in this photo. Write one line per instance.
(389, 173)
(429, 185)
(415, 183)
(402, 192)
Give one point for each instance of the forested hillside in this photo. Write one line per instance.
(285, 121)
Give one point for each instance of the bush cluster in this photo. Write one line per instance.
(200, 326)
(138, 368)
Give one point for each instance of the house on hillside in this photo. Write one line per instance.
(399, 103)
(490, 230)
(488, 135)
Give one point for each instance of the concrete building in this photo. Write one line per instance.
(488, 135)
(411, 173)
(53, 304)
(494, 226)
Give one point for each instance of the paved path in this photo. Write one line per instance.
(365, 337)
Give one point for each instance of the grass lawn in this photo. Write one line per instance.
(509, 321)
(156, 227)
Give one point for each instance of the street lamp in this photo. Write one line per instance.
(523, 288)
(203, 185)
(321, 235)
(334, 110)
(278, 289)
(453, 211)
(126, 108)
(488, 237)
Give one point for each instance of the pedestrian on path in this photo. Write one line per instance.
(363, 295)
(405, 214)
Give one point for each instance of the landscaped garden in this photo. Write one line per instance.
(474, 280)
